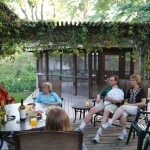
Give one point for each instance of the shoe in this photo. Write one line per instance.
(106, 125)
(122, 136)
(78, 129)
(96, 138)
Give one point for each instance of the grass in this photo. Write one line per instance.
(20, 95)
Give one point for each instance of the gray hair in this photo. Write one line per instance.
(47, 84)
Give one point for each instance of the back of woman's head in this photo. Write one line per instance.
(57, 120)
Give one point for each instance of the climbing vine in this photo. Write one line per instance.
(87, 37)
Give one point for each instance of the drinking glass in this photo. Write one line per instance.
(87, 104)
(33, 121)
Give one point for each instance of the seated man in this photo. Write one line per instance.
(112, 96)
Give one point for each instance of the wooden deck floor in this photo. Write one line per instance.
(109, 139)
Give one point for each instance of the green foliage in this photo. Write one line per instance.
(20, 95)
(16, 32)
(18, 72)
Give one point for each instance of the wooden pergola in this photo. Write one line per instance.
(88, 70)
(97, 55)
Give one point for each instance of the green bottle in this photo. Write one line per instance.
(3, 113)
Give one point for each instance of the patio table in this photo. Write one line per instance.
(81, 108)
(14, 125)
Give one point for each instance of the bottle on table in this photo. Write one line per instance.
(22, 111)
(3, 113)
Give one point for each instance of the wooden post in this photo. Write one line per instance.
(60, 77)
(75, 73)
(100, 70)
(122, 65)
(90, 76)
(46, 65)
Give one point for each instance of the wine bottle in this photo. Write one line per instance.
(22, 111)
(3, 113)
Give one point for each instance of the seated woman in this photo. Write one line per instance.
(5, 96)
(58, 120)
(47, 96)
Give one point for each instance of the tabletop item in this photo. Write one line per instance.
(3, 113)
(33, 121)
(22, 111)
(39, 114)
(87, 104)
(13, 122)
(30, 108)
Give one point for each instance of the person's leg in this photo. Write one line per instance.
(123, 121)
(100, 130)
(116, 116)
(118, 113)
(90, 114)
(105, 116)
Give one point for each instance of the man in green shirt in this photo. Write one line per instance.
(108, 105)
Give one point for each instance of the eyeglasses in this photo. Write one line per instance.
(111, 80)
(132, 80)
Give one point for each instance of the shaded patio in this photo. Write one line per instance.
(109, 139)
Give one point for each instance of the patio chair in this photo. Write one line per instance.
(141, 128)
(49, 140)
(147, 143)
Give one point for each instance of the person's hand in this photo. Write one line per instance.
(98, 99)
(55, 104)
(126, 103)
(108, 99)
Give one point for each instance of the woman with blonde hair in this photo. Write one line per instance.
(58, 120)
(135, 98)
(47, 96)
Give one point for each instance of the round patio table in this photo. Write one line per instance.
(14, 124)
(81, 108)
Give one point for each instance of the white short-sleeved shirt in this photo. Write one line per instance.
(115, 94)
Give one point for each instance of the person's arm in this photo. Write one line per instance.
(57, 99)
(37, 100)
(112, 100)
(98, 98)
(141, 104)
(118, 100)
(103, 93)
(126, 102)
(10, 98)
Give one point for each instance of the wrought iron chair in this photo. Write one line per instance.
(141, 128)
(47, 140)
(147, 143)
